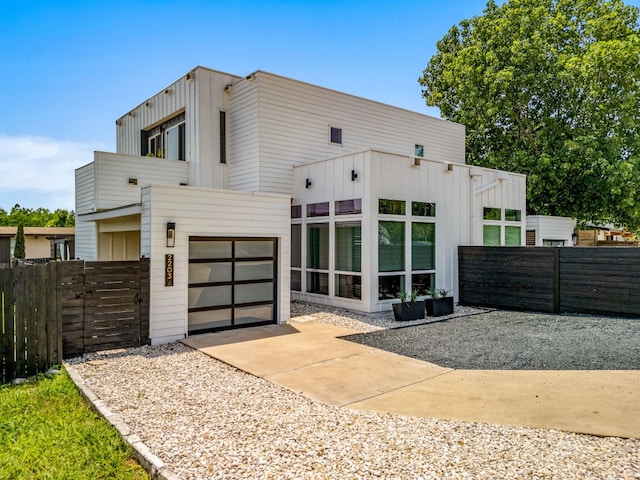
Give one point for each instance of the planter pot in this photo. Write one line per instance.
(408, 311)
(437, 307)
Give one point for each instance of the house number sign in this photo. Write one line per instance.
(168, 270)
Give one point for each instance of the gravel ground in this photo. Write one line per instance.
(501, 340)
(207, 420)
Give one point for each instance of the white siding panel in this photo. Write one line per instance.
(294, 129)
(205, 212)
(113, 172)
(85, 188)
(244, 137)
(86, 240)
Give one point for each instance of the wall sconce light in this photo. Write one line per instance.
(191, 76)
(416, 162)
(354, 175)
(119, 122)
(171, 234)
(228, 89)
(307, 183)
(251, 77)
(133, 181)
(149, 104)
(132, 114)
(168, 91)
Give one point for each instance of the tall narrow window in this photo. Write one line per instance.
(419, 150)
(176, 147)
(223, 137)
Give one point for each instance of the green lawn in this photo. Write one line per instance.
(47, 431)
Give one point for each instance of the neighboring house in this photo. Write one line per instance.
(548, 231)
(246, 192)
(605, 236)
(40, 243)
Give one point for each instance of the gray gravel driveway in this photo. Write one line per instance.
(501, 340)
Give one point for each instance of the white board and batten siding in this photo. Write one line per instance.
(206, 213)
(86, 232)
(201, 97)
(291, 126)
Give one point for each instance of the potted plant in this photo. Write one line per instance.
(409, 308)
(440, 302)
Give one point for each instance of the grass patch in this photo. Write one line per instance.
(47, 431)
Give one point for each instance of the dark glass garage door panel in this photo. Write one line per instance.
(258, 270)
(210, 272)
(209, 319)
(232, 283)
(200, 297)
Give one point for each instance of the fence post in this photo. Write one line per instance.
(7, 317)
(556, 279)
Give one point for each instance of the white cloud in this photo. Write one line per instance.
(39, 172)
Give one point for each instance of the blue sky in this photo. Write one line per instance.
(69, 69)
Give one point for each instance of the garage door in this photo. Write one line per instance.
(232, 283)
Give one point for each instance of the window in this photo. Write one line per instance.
(423, 243)
(167, 140)
(552, 243)
(175, 143)
(390, 286)
(336, 135)
(391, 207)
(348, 247)
(349, 207)
(422, 282)
(422, 209)
(223, 137)
(391, 246)
(349, 286)
(491, 235)
(296, 211)
(296, 245)
(512, 236)
(492, 214)
(512, 215)
(419, 150)
(318, 209)
(318, 258)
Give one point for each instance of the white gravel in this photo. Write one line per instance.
(207, 420)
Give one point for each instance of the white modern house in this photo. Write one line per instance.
(247, 192)
(549, 231)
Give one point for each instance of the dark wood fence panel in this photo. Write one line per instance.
(30, 335)
(600, 280)
(546, 279)
(503, 277)
(64, 309)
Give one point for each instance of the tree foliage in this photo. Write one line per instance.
(40, 217)
(551, 89)
(19, 248)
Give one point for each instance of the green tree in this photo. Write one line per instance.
(551, 89)
(40, 217)
(19, 249)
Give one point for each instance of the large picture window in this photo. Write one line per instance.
(167, 140)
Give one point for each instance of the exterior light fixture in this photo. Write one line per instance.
(307, 183)
(171, 234)
(354, 175)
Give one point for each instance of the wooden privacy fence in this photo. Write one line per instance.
(592, 280)
(64, 309)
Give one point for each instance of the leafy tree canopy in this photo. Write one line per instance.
(40, 217)
(551, 89)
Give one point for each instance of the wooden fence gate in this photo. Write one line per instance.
(64, 309)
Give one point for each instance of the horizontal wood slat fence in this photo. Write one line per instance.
(64, 309)
(592, 280)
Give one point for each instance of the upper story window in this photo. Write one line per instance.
(419, 150)
(336, 135)
(167, 140)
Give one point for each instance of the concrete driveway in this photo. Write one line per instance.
(310, 358)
